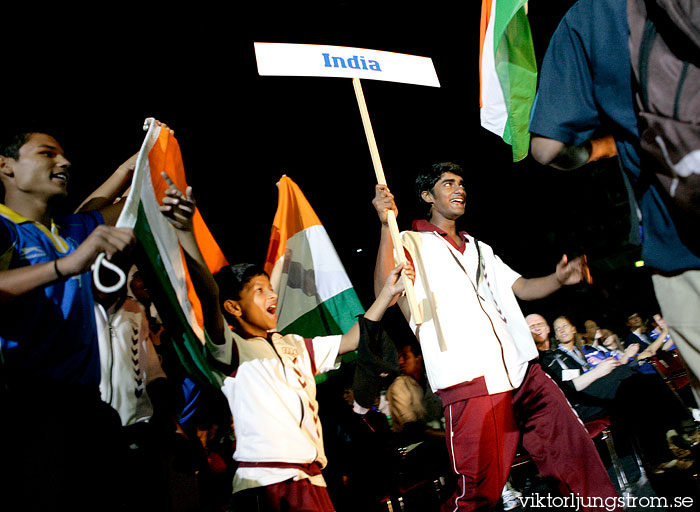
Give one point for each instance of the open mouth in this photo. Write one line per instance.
(272, 309)
(60, 176)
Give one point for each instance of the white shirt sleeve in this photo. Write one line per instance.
(326, 353)
(224, 352)
(506, 275)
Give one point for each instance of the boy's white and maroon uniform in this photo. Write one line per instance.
(128, 360)
(481, 360)
(272, 396)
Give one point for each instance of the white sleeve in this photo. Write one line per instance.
(224, 352)
(506, 275)
(325, 353)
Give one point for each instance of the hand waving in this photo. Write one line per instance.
(574, 271)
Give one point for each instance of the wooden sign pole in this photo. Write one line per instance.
(399, 255)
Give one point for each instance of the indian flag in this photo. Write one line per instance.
(508, 72)
(316, 296)
(161, 259)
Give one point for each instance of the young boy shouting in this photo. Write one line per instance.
(268, 378)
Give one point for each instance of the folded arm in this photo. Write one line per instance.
(604, 368)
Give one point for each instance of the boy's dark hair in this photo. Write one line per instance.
(414, 346)
(18, 131)
(231, 280)
(426, 180)
(9, 147)
(11, 142)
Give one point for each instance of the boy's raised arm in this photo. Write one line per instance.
(115, 187)
(179, 209)
(393, 287)
(383, 201)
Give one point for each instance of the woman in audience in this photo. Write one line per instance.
(640, 406)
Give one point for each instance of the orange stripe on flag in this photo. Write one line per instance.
(165, 156)
(485, 16)
(294, 214)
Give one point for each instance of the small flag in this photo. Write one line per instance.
(507, 72)
(316, 297)
(163, 263)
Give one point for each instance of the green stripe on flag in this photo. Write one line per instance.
(333, 316)
(187, 345)
(514, 56)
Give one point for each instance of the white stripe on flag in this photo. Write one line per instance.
(494, 114)
(169, 249)
(309, 250)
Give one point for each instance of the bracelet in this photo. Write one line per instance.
(58, 272)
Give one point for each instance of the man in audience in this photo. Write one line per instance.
(638, 331)
(590, 329)
(413, 405)
(640, 405)
(540, 331)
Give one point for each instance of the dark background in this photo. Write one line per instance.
(95, 74)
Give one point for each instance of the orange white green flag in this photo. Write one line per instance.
(160, 257)
(507, 72)
(316, 297)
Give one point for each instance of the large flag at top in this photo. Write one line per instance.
(508, 72)
(316, 297)
(161, 260)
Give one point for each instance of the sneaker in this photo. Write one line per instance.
(510, 498)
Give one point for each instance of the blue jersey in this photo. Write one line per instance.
(49, 334)
(586, 87)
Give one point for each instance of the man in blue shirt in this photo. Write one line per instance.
(585, 92)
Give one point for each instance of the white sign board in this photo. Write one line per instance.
(284, 59)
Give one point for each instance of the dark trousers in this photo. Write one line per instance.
(482, 438)
(59, 450)
(288, 496)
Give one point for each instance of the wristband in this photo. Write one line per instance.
(58, 272)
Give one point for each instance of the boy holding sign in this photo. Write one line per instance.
(487, 376)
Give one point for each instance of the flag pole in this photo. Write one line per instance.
(399, 255)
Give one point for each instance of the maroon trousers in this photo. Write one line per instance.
(288, 496)
(482, 438)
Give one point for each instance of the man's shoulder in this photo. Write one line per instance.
(8, 232)
(402, 384)
(631, 337)
(592, 12)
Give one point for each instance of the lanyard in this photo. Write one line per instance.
(579, 359)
